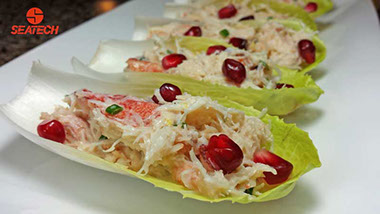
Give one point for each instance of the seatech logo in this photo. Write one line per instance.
(34, 17)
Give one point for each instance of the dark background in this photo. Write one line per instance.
(65, 13)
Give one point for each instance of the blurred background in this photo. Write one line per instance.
(65, 13)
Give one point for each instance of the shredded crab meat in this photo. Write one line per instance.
(206, 11)
(209, 30)
(164, 140)
(278, 42)
(209, 67)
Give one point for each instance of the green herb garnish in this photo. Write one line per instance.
(114, 109)
(263, 63)
(169, 51)
(224, 33)
(103, 137)
(270, 18)
(142, 58)
(249, 191)
(183, 125)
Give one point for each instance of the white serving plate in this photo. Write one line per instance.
(343, 125)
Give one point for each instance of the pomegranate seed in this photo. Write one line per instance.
(215, 49)
(238, 42)
(194, 31)
(169, 92)
(283, 167)
(172, 60)
(221, 153)
(154, 98)
(251, 17)
(234, 70)
(52, 130)
(306, 49)
(283, 85)
(227, 12)
(311, 7)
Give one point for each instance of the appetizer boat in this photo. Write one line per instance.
(200, 148)
(193, 141)
(205, 67)
(291, 8)
(235, 11)
(286, 43)
(219, 65)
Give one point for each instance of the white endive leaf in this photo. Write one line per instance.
(45, 89)
(143, 24)
(84, 70)
(111, 55)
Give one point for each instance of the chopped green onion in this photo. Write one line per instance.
(183, 125)
(249, 191)
(224, 33)
(169, 51)
(270, 17)
(114, 109)
(263, 63)
(141, 58)
(103, 137)
(175, 124)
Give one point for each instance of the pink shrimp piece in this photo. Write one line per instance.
(87, 101)
(185, 149)
(144, 66)
(192, 177)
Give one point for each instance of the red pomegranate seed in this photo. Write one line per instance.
(215, 49)
(306, 49)
(311, 7)
(172, 60)
(227, 12)
(251, 17)
(234, 71)
(238, 42)
(221, 153)
(283, 85)
(194, 31)
(52, 130)
(283, 167)
(168, 92)
(154, 98)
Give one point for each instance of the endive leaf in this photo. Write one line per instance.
(46, 87)
(172, 10)
(278, 101)
(199, 44)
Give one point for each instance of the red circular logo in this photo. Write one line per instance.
(34, 15)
